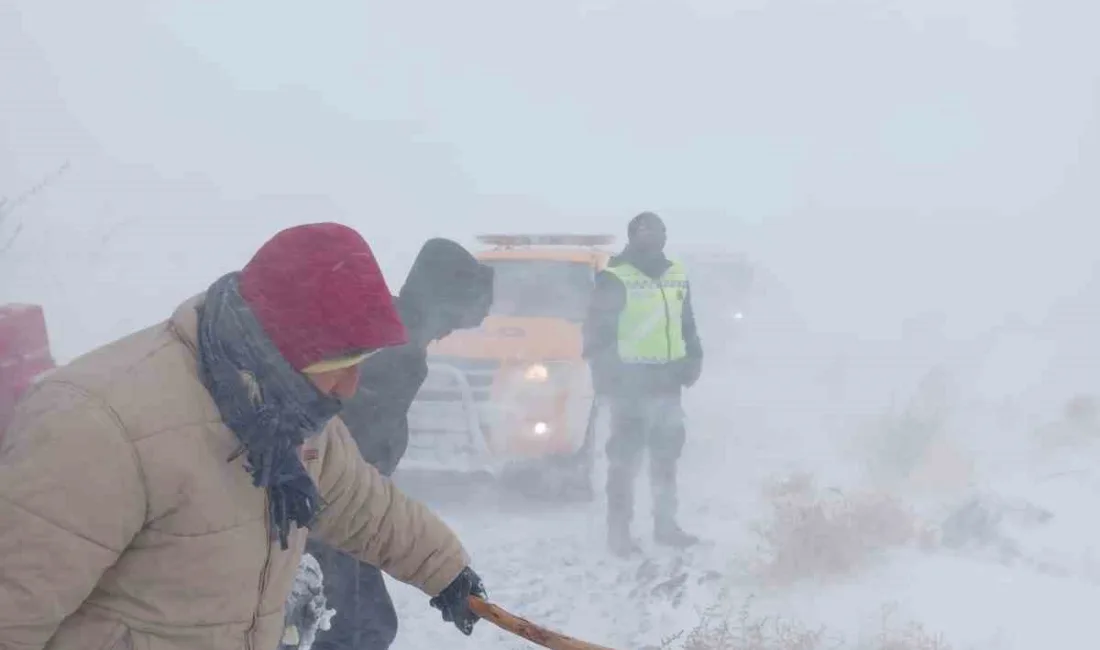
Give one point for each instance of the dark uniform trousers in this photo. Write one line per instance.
(650, 422)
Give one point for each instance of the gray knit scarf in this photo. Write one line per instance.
(270, 406)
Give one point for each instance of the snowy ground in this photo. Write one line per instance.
(1019, 572)
(549, 564)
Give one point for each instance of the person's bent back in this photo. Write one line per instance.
(155, 493)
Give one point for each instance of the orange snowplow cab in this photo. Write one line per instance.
(24, 354)
(516, 392)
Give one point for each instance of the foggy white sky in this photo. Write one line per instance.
(912, 154)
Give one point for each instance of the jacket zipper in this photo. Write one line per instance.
(263, 574)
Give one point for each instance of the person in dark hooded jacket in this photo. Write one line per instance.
(643, 348)
(446, 289)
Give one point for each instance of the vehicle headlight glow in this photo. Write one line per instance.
(540, 429)
(536, 372)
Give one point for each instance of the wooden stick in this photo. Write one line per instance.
(523, 628)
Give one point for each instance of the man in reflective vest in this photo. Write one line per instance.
(641, 343)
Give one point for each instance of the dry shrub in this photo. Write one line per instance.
(912, 636)
(748, 632)
(745, 631)
(814, 534)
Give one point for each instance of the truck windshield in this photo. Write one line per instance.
(541, 288)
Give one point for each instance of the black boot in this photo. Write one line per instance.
(619, 541)
(670, 534)
(620, 508)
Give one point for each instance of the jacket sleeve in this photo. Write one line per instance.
(369, 518)
(72, 498)
(691, 332)
(377, 416)
(399, 444)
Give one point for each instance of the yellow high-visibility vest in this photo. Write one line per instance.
(651, 324)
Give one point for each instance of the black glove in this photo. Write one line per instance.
(690, 369)
(607, 373)
(452, 601)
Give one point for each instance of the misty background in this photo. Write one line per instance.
(898, 166)
(915, 181)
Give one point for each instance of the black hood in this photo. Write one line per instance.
(446, 289)
(653, 264)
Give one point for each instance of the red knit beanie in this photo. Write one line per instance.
(318, 293)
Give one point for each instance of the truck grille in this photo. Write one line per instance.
(442, 386)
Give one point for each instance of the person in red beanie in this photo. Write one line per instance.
(158, 491)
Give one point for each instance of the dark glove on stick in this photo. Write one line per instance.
(452, 601)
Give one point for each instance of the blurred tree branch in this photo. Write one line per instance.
(9, 206)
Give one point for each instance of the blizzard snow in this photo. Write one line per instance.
(968, 433)
(916, 178)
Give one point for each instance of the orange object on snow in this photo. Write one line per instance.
(24, 354)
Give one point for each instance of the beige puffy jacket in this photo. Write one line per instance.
(122, 525)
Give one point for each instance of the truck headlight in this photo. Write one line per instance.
(536, 372)
(540, 429)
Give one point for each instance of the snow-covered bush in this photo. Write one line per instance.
(815, 534)
(744, 630)
(307, 610)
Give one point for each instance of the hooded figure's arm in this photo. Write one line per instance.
(377, 415)
(366, 516)
(71, 500)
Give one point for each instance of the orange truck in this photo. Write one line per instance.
(513, 399)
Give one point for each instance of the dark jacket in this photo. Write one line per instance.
(378, 414)
(610, 374)
(446, 289)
